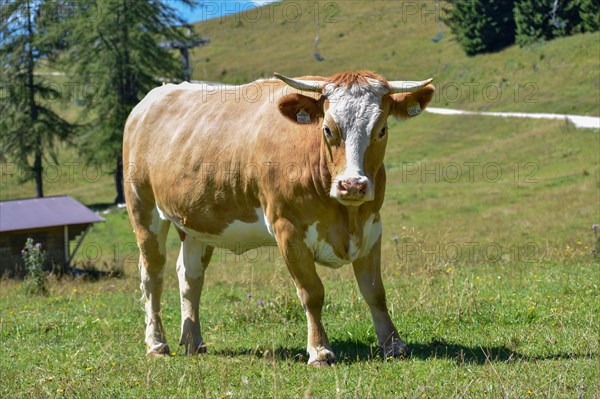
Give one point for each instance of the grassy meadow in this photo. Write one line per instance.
(487, 243)
(491, 284)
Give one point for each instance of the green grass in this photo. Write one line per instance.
(485, 331)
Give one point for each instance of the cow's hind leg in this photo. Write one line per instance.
(193, 260)
(151, 232)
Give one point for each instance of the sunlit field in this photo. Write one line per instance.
(490, 261)
(491, 282)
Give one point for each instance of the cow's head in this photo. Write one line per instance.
(354, 108)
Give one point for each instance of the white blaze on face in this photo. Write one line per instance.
(355, 110)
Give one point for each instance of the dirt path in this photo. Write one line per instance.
(590, 122)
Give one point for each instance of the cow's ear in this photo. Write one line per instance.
(407, 105)
(301, 109)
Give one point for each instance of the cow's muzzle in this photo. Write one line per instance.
(352, 191)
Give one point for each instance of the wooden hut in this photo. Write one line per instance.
(54, 222)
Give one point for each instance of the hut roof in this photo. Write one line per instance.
(35, 213)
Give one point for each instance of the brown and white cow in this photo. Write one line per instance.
(292, 162)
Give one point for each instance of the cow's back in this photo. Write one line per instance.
(200, 152)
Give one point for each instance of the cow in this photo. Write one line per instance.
(292, 162)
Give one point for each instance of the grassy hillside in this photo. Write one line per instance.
(394, 39)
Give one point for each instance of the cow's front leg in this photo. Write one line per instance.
(300, 263)
(194, 257)
(368, 274)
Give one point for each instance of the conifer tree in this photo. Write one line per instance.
(29, 129)
(544, 20)
(114, 48)
(482, 25)
(589, 12)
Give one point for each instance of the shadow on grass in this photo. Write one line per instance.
(101, 206)
(348, 352)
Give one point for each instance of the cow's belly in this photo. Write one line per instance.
(238, 236)
(325, 255)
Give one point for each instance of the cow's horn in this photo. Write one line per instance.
(400, 86)
(303, 85)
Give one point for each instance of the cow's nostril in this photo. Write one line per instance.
(362, 188)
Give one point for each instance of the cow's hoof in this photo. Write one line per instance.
(396, 350)
(324, 358)
(321, 364)
(159, 350)
(200, 350)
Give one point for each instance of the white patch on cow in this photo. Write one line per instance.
(160, 213)
(355, 110)
(189, 261)
(325, 255)
(323, 252)
(238, 236)
(134, 190)
(371, 234)
(160, 229)
(270, 228)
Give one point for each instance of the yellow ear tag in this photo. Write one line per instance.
(303, 117)
(414, 109)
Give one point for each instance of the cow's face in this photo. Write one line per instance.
(355, 130)
(355, 108)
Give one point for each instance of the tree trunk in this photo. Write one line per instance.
(37, 170)
(119, 181)
(124, 95)
(33, 110)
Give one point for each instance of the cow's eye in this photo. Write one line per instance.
(327, 132)
(382, 133)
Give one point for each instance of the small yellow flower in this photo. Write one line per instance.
(529, 392)
(532, 308)
(89, 368)
(448, 270)
(49, 378)
(113, 364)
(74, 291)
(554, 310)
